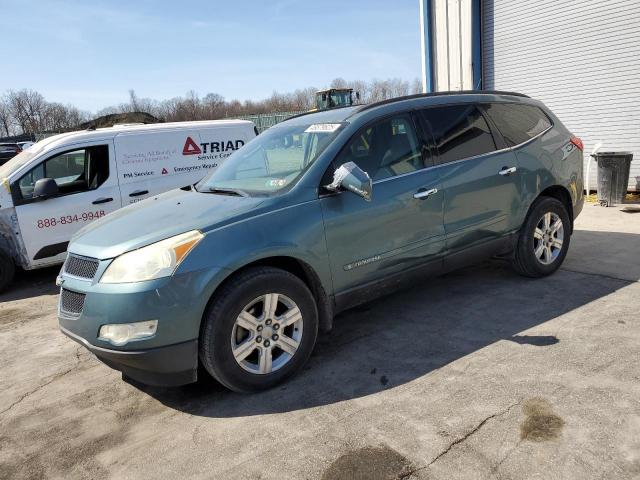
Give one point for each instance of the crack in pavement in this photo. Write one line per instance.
(458, 441)
(496, 467)
(602, 275)
(51, 379)
(410, 473)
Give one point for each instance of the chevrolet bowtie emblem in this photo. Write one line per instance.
(59, 281)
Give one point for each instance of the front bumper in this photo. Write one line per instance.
(168, 358)
(167, 366)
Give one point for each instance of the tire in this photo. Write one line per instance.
(530, 258)
(7, 270)
(223, 332)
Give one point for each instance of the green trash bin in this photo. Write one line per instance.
(613, 176)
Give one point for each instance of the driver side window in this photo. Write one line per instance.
(74, 171)
(386, 149)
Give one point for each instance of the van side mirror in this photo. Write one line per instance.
(45, 188)
(351, 177)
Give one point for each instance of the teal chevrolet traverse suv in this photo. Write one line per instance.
(239, 272)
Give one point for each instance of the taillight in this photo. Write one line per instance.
(578, 143)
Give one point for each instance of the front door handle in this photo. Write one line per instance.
(102, 200)
(424, 193)
(137, 193)
(507, 170)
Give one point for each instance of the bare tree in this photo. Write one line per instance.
(416, 86)
(6, 119)
(339, 83)
(58, 117)
(212, 106)
(26, 111)
(133, 101)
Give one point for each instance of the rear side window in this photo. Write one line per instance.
(459, 131)
(517, 123)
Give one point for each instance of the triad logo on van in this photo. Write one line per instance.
(191, 147)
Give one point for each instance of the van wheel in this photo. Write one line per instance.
(259, 329)
(7, 270)
(543, 240)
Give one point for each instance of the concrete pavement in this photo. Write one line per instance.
(477, 374)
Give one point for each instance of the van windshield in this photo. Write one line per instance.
(18, 161)
(273, 161)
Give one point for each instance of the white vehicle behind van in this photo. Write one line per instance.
(63, 182)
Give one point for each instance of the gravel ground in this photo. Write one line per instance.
(476, 374)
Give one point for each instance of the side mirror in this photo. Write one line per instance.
(350, 177)
(45, 188)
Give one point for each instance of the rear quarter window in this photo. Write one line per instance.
(517, 123)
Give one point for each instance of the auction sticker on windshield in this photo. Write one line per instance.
(322, 128)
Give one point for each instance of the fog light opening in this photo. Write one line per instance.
(119, 334)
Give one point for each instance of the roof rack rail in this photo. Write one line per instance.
(320, 111)
(439, 94)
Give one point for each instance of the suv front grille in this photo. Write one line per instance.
(71, 302)
(81, 267)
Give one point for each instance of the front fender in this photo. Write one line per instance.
(295, 231)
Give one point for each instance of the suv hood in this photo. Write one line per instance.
(157, 218)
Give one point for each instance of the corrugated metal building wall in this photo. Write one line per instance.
(452, 44)
(580, 57)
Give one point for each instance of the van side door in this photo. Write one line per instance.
(372, 245)
(88, 189)
(479, 177)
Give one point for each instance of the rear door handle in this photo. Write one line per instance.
(423, 193)
(137, 193)
(507, 170)
(102, 200)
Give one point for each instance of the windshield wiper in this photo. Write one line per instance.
(227, 191)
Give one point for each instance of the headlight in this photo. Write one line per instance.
(153, 261)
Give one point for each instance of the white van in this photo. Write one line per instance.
(63, 182)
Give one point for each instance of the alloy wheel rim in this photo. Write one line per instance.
(267, 333)
(548, 238)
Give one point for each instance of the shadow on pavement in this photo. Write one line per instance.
(409, 334)
(536, 340)
(404, 336)
(32, 283)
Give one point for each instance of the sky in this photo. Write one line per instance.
(91, 53)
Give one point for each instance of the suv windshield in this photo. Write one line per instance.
(272, 162)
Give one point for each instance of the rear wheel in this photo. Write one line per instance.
(7, 270)
(259, 329)
(544, 239)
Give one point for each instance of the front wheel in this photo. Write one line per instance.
(7, 270)
(544, 239)
(259, 329)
